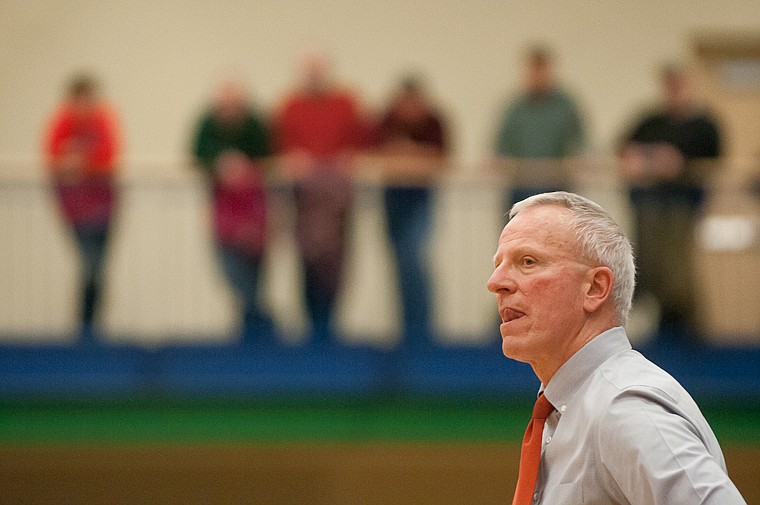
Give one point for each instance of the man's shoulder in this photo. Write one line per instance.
(635, 396)
(515, 104)
(631, 373)
(651, 115)
(564, 96)
(703, 118)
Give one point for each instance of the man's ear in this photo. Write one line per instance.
(598, 288)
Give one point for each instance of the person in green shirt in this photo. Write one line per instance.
(539, 128)
(231, 145)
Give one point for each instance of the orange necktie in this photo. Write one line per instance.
(530, 455)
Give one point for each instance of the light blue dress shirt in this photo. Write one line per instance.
(625, 432)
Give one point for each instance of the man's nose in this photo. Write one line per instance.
(500, 280)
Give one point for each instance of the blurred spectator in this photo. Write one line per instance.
(413, 141)
(539, 128)
(664, 160)
(230, 146)
(318, 128)
(81, 147)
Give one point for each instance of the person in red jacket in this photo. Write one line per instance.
(81, 148)
(317, 130)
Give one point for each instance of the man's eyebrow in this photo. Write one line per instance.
(516, 250)
(522, 249)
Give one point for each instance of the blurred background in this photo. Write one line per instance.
(168, 394)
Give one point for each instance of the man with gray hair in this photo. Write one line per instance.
(609, 426)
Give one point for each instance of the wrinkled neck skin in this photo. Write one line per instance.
(545, 367)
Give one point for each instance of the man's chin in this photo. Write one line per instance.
(509, 348)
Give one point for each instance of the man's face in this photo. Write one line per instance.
(316, 72)
(539, 281)
(230, 102)
(676, 91)
(411, 105)
(539, 77)
(84, 104)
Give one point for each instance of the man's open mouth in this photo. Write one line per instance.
(508, 315)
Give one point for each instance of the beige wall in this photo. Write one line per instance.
(158, 59)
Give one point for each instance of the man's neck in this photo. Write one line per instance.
(545, 370)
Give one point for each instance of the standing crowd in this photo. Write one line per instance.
(312, 141)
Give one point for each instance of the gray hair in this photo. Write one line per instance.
(600, 239)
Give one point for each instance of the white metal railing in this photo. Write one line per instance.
(163, 282)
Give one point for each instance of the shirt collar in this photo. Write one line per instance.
(574, 372)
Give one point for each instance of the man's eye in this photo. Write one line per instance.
(527, 262)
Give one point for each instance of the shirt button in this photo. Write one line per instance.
(548, 439)
(563, 408)
(535, 496)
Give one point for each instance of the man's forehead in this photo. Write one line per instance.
(541, 216)
(545, 223)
